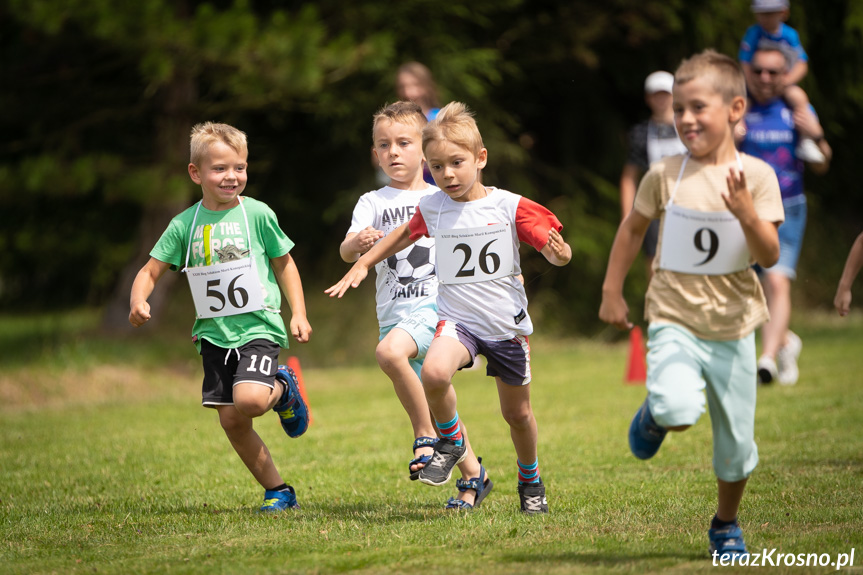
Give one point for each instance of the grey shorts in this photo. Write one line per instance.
(507, 359)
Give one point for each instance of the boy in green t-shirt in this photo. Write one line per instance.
(235, 257)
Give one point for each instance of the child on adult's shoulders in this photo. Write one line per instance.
(772, 31)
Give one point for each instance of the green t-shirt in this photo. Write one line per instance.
(228, 241)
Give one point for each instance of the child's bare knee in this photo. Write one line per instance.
(252, 407)
(434, 378)
(520, 416)
(795, 96)
(251, 399)
(386, 354)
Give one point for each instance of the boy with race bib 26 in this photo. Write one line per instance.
(482, 307)
(718, 211)
(235, 257)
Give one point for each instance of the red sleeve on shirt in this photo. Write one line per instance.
(417, 226)
(533, 222)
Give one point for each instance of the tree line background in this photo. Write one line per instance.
(100, 95)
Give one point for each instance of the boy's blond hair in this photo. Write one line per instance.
(206, 133)
(454, 123)
(724, 73)
(402, 112)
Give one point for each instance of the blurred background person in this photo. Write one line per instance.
(414, 82)
(649, 141)
(773, 132)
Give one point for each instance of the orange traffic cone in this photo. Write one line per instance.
(636, 367)
(294, 364)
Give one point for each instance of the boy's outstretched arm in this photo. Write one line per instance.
(762, 236)
(396, 241)
(627, 242)
(142, 287)
(842, 301)
(288, 277)
(556, 251)
(356, 244)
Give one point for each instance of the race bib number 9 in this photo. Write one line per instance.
(225, 289)
(709, 243)
(472, 255)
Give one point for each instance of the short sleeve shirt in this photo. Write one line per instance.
(640, 136)
(714, 307)
(771, 136)
(786, 41)
(406, 280)
(228, 241)
(493, 310)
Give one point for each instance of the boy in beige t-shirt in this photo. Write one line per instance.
(719, 211)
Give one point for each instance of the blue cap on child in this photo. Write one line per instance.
(769, 5)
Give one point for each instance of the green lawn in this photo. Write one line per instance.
(110, 466)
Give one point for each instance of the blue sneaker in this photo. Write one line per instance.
(645, 436)
(291, 407)
(279, 500)
(727, 542)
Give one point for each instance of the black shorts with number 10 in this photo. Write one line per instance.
(254, 362)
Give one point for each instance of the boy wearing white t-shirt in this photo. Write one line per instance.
(704, 301)
(406, 283)
(482, 305)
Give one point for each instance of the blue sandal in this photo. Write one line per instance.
(422, 459)
(482, 485)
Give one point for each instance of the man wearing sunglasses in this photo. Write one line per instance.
(773, 130)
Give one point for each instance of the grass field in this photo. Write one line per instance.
(109, 465)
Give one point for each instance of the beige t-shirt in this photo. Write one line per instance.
(715, 307)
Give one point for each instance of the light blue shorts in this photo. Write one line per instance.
(684, 372)
(420, 325)
(791, 237)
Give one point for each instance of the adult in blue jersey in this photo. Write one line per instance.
(773, 130)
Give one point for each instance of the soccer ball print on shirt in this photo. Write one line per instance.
(408, 269)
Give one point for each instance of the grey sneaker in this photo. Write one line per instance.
(446, 456)
(767, 370)
(532, 498)
(786, 360)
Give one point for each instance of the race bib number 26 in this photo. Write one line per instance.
(472, 255)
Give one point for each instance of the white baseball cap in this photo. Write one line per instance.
(658, 82)
(769, 5)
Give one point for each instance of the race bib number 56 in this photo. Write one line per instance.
(472, 255)
(225, 289)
